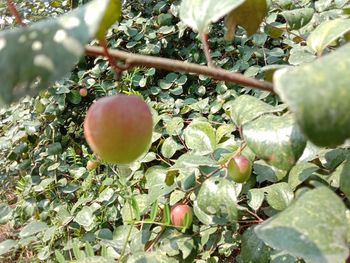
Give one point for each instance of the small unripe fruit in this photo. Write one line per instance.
(178, 215)
(83, 92)
(239, 169)
(91, 165)
(119, 128)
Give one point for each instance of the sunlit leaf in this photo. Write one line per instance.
(318, 94)
(198, 14)
(276, 139)
(47, 50)
(326, 33)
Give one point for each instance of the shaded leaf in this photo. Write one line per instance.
(297, 18)
(300, 173)
(253, 249)
(267, 172)
(318, 94)
(277, 140)
(5, 213)
(254, 9)
(345, 179)
(314, 227)
(33, 228)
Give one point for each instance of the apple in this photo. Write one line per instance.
(91, 165)
(239, 169)
(119, 128)
(178, 213)
(83, 92)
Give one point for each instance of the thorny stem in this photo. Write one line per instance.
(14, 12)
(180, 66)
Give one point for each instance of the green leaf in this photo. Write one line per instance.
(206, 218)
(154, 211)
(169, 147)
(111, 14)
(256, 198)
(33, 228)
(345, 179)
(96, 259)
(150, 257)
(85, 217)
(174, 126)
(46, 50)
(166, 214)
(253, 249)
(89, 250)
(276, 139)
(198, 14)
(254, 9)
(318, 94)
(5, 213)
(200, 137)
(297, 18)
(191, 160)
(59, 257)
(172, 243)
(282, 257)
(156, 184)
(7, 245)
(267, 172)
(279, 195)
(218, 196)
(54, 148)
(300, 173)
(76, 251)
(246, 108)
(314, 227)
(326, 33)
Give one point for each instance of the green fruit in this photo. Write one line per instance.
(119, 128)
(181, 215)
(239, 169)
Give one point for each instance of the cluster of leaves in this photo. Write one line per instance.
(293, 208)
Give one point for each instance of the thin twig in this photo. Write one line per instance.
(206, 49)
(11, 6)
(180, 66)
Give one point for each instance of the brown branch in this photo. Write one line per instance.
(131, 60)
(206, 49)
(14, 12)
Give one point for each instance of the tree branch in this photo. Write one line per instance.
(14, 12)
(132, 60)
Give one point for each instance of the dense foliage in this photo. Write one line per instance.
(56, 206)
